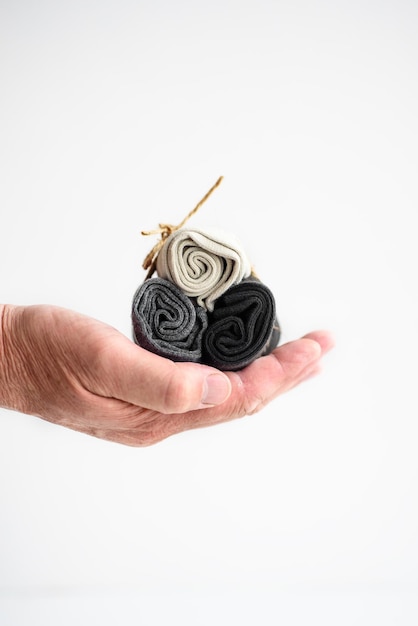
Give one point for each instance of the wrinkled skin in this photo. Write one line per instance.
(78, 372)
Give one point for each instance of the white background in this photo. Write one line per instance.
(115, 115)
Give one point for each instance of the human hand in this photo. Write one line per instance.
(78, 372)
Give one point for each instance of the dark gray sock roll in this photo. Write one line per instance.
(167, 322)
(242, 327)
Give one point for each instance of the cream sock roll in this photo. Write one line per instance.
(203, 264)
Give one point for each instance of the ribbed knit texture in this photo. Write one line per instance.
(242, 326)
(202, 264)
(205, 306)
(167, 322)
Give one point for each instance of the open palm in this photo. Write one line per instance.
(81, 373)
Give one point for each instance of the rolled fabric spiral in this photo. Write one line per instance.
(167, 322)
(242, 326)
(203, 264)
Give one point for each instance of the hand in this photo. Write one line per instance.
(78, 372)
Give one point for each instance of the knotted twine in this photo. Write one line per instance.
(206, 305)
(165, 231)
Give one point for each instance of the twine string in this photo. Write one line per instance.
(165, 231)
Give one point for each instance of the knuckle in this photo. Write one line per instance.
(179, 392)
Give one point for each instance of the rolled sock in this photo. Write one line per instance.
(203, 264)
(167, 322)
(242, 326)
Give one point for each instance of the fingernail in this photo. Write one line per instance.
(216, 389)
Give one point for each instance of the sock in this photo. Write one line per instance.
(202, 264)
(167, 322)
(242, 326)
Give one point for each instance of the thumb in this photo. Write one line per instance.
(147, 380)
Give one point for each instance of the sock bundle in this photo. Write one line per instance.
(205, 305)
